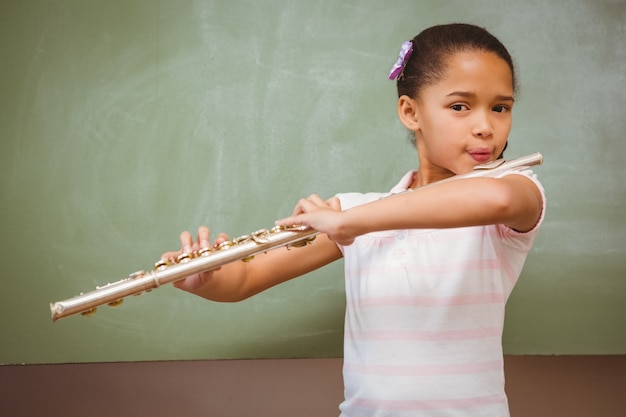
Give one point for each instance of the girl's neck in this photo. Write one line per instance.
(428, 171)
(424, 176)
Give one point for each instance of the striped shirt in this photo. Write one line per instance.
(424, 317)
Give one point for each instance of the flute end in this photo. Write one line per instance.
(54, 311)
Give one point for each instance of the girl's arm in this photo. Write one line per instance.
(239, 280)
(513, 200)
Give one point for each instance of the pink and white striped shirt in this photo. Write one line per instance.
(424, 317)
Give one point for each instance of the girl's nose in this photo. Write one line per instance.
(483, 128)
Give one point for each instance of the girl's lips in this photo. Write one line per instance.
(480, 155)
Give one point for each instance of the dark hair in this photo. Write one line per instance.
(433, 46)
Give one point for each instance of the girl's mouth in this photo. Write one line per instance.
(480, 155)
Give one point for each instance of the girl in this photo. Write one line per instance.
(428, 272)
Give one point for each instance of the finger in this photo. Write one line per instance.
(295, 220)
(316, 199)
(203, 237)
(185, 284)
(221, 238)
(298, 209)
(306, 205)
(334, 203)
(186, 242)
(170, 256)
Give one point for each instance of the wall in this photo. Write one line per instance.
(537, 386)
(124, 122)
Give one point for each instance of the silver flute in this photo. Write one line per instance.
(242, 248)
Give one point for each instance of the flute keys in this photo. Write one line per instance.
(116, 303)
(205, 251)
(226, 245)
(302, 243)
(241, 239)
(161, 264)
(89, 313)
(184, 257)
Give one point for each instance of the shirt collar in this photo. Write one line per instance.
(404, 183)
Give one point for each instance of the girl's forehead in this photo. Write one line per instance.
(474, 60)
(479, 66)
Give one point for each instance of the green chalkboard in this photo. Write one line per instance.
(123, 123)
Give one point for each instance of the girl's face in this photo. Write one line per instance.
(464, 119)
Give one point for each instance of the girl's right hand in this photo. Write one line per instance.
(325, 216)
(194, 283)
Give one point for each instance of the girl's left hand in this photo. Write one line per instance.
(323, 216)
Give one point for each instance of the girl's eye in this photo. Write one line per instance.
(459, 107)
(501, 109)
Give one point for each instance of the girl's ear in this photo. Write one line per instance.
(407, 111)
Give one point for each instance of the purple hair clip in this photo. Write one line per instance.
(405, 53)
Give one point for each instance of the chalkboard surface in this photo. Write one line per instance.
(123, 123)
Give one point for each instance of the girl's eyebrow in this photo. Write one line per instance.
(468, 94)
(505, 98)
(462, 94)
